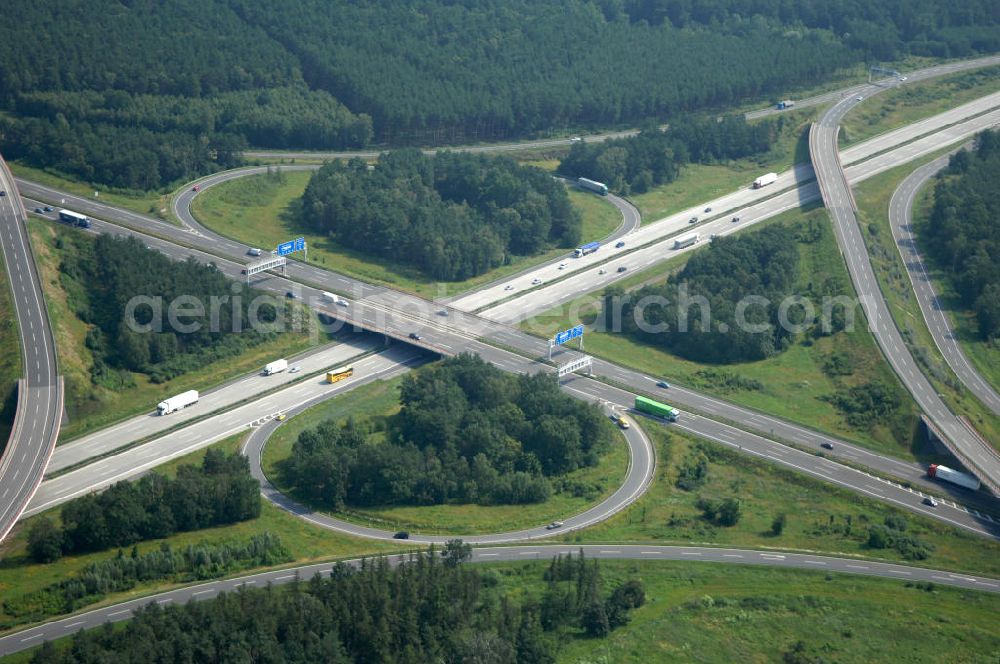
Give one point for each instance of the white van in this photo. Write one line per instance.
(328, 296)
(254, 251)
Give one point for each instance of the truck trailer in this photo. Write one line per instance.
(182, 400)
(588, 248)
(592, 185)
(277, 366)
(949, 475)
(687, 240)
(650, 407)
(764, 180)
(74, 218)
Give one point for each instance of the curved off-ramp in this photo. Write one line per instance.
(901, 223)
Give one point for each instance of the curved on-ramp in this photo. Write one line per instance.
(641, 467)
(40, 391)
(838, 198)
(901, 223)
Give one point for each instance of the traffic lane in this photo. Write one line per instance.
(238, 390)
(900, 223)
(642, 463)
(34, 636)
(839, 200)
(136, 460)
(390, 319)
(822, 468)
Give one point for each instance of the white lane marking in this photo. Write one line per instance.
(33, 636)
(203, 592)
(690, 553)
(814, 562)
(859, 566)
(119, 613)
(74, 624)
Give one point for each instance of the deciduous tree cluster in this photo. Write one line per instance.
(453, 215)
(466, 433)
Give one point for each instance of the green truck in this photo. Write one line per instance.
(644, 405)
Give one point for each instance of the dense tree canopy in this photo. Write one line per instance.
(466, 432)
(140, 94)
(697, 314)
(219, 491)
(104, 275)
(453, 215)
(964, 234)
(424, 611)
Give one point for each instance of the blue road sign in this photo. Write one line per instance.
(572, 333)
(285, 248)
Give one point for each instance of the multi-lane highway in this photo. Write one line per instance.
(245, 388)
(34, 636)
(982, 459)
(901, 222)
(40, 393)
(793, 189)
(397, 314)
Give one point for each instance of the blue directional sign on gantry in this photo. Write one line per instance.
(285, 248)
(572, 333)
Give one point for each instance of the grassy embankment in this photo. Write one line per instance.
(873, 198)
(91, 407)
(820, 517)
(145, 202)
(10, 359)
(260, 210)
(379, 400)
(731, 613)
(792, 384)
(910, 102)
(306, 543)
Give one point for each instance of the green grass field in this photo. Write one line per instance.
(378, 400)
(793, 382)
(259, 210)
(91, 407)
(150, 202)
(705, 612)
(820, 516)
(915, 101)
(873, 198)
(10, 359)
(306, 543)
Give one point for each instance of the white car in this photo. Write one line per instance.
(902, 78)
(602, 271)
(536, 281)
(508, 287)
(294, 370)
(860, 98)
(342, 302)
(575, 139)
(562, 266)
(554, 525)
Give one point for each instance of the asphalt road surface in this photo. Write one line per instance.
(981, 458)
(34, 636)
(40, 392)
(901, 222)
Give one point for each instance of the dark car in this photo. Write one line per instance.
(930, 502)
(414, 335)
(2, 192)
(291, 295)
(402, 534)
(38, 210)
(664, 384)
(620, 244)
(622, 268)
(827, 446)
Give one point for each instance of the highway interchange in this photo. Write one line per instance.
(975, 453)
(396, 314)
(40, 391)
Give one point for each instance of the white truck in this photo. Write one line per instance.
(687, 240)
(593, 185)
(277, 366)
(765, 180)
(182, 400)
(950, 475)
